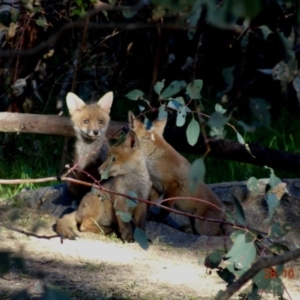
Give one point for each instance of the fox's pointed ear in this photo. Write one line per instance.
(159, 126)
(74, 103)
(105, 101)
(131, 140)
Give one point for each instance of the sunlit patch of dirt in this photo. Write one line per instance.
(96, 267)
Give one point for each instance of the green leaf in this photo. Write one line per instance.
(131, 203)
(252, 185)
(274, 180)
(174, 104)
(273, 203)
(194, 88)
(271, 285)
(140, 236)
(196, 173)
(112, 2)
(220, 109)
(217, 132)
(42, 22)
(159, 85)
(278, 248)
(241, 255)
(279, 229)
(265, 31)
(104, 175)
(181, 115)
(129, 13)
(135, 95)
(240, 139)
(239, 212)
(214, 259)
(174, 88)
(217, 120)
(162, 113)
(125, 216)
(193, 132)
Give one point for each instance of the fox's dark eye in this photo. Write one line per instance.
(113, 158)
(100, 121)
(86, 121)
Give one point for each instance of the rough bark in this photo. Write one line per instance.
(44, 124)
(223, 149)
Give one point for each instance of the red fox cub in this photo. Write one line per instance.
(169, 175)
(90, 123)
(127, 165)
(94, 214)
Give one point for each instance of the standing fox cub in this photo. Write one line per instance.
(126, 167)
(90, 123)
(169, 174)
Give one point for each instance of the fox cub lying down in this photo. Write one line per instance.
(90, 122)
(126, 166)
(169, 174)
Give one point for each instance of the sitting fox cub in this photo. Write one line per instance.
(169, 175)
(94, 214)
(90, 124)
(126, 165)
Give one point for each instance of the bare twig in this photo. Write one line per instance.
(64, 178)
(47, 237)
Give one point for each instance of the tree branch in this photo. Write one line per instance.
(265, 262)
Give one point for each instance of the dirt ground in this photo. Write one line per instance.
(96, 267)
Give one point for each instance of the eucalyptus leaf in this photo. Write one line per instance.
(162, 113)
(125, 216)
(134, 94)
(159, 85)
(240, 138)
(129, 13)
(217, 120)
(141, 237)
(174, 88)
(131, 203)
(181, 115)
(196, 173)
(193, 132)
(194, 88)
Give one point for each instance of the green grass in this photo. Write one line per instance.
(24, 156)
(27, 156)
(284, 135)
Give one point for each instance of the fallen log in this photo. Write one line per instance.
(223, 149)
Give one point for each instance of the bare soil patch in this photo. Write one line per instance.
(97, 267)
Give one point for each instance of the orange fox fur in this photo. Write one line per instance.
(169, 174)
(127, 164)
(90, 123)
(93, 208)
